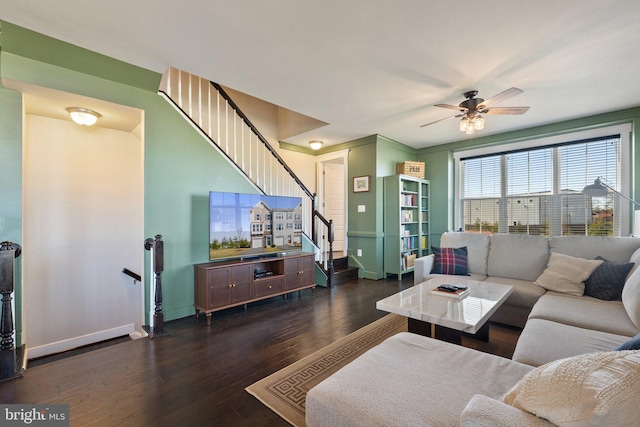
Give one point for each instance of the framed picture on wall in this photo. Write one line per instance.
(360, 184)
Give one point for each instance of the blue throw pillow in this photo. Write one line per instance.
(450, 261)
(632, 344)
(607, 280)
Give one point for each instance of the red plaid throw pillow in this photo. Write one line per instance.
(450, 261)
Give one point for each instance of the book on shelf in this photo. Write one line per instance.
(408, 200)
(408, 243)
(406, 215)
(460, 293)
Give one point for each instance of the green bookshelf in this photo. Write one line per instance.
(406, 222)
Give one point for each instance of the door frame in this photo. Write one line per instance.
(342, 155)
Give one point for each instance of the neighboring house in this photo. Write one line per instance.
(260, 217)
(277, 226)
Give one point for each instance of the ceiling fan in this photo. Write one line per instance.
(472, 109)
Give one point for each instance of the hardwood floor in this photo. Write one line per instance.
(197, 374)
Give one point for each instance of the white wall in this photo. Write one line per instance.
(83, 222)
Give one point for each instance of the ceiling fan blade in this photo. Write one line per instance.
(506, 110)
(500, 97)
(441, 120)
(451, 107)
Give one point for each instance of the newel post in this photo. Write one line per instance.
(10, 361)
(157, 245)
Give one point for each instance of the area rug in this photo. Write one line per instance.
(284, 392)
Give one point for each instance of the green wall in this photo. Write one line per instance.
(11, 183)
(376, 157)
(180, 167)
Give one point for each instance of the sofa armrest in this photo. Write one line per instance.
(421, 268)
(483, 411)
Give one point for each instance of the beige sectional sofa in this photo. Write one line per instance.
(564, 370)
(568, 325)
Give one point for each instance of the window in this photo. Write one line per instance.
(537, 189)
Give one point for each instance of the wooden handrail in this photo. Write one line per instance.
(262, 138)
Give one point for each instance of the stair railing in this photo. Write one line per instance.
(211, 111)
(316, 239)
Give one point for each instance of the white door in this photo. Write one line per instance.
(83, 223)
(335, 203)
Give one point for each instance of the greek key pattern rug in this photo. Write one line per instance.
(284, 392)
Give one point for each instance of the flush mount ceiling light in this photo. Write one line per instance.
(83, 116)
(315, 144)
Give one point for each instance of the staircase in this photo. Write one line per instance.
(208, 108)
(342, 272)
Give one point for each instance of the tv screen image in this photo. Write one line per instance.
(253, 224)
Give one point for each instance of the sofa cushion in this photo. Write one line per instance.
(407, 380)
(567, 274)
(477, 248)
(449, 261)
(617, 249)
(635, 259)
(607, 280)
(518, 256)
(525, 293)
(586, 390)
(632, 344)
(631, 297)
(483, 411)
(543, 341)
(584, 312)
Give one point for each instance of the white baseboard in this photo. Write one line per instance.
(71, 343)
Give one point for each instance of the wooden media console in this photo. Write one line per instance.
(224, 284)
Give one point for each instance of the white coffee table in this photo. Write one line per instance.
(451, 316)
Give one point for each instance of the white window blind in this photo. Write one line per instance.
(539, 190)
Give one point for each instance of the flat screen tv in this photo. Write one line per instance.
(244, 225)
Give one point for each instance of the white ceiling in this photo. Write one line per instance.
(53, 103)
(370, 67)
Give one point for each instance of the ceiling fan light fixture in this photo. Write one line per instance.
(470, 129)
(478, 124)
(464, 124)
(83, 116)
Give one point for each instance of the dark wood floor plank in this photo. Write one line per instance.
(197, 374)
